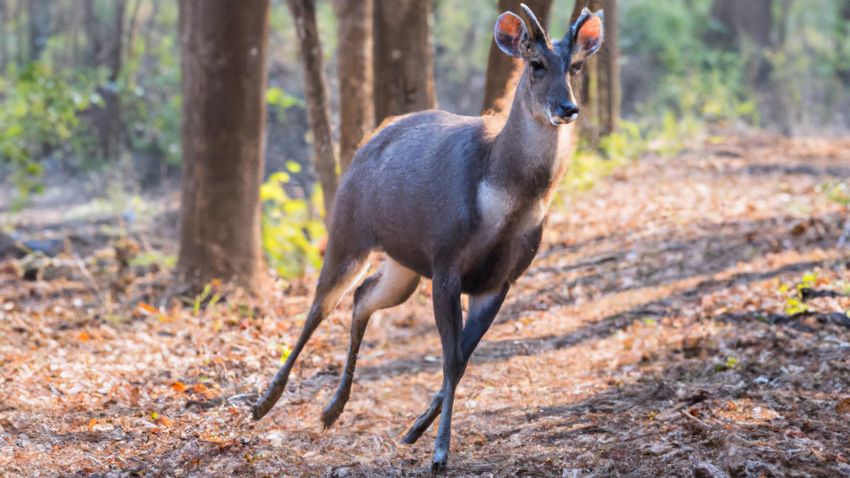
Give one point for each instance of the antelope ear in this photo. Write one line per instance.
(509, 33)
(588, 33)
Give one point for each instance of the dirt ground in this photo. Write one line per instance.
(662, 331)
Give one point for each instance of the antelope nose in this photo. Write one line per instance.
(568, 111)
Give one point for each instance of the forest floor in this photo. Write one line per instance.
(687, 317)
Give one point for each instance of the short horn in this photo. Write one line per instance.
(535, 30)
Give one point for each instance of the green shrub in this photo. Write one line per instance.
(39, 114)
(291, 226)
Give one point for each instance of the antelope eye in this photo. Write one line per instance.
(575, 67)
(537, 69)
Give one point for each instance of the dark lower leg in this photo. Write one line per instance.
(332, 284)
(388, 288)
(482, 311)
(340, 398)
(449, 317)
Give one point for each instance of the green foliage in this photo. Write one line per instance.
(689, 78)
(794, 304)
(277, 98)
(40, 113)
(837, 192)
(149, 88)
(291, 226)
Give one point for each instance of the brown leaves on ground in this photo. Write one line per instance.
(663, 330)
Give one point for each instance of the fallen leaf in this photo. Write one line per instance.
(200, 389)
(84, 336)
(843, 406)
(91, 424)
(179, 387)
(147, 308)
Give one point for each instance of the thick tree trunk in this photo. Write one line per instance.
(404, 57)
(501, 67)
(39, 27)
(224, 85)
(354, 64)
(316, 91)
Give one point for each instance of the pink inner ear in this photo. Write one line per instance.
(509, 25)
(590, 33)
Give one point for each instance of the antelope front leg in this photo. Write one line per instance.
(449, 317)
(482, 310)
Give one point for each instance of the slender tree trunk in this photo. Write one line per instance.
(4, 47)
(598, 84)
(354, 64)
(501, 67)
(608, 71)
(116, 49)
(316, 91)
(404, 57)
(92, 33)
(224, 85)
(132, 30)
(842, 35)
(39, 27)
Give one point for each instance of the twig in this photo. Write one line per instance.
(89, 278)
(242, 396)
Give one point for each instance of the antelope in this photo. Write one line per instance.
(456, 199)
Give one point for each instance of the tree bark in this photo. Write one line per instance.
(224, 85)
(39, 12)
(354, 65)
(753, 20)
(92, 32)
(608, 71)
(598, 84)
(501, 67)
(4, 49)
(316, 91)
(404, 57)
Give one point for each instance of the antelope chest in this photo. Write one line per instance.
(502, 212)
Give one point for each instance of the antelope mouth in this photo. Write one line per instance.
(556, 120)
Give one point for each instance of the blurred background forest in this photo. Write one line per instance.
(90, 90)
(160, 160)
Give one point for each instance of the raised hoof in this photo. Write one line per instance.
(256, 413)
(330, 415)
(410, 437)
(439, 466)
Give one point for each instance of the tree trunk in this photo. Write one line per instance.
(116, 50)
(501, 67)
(4, 48)
(842, 34)
(224, 85)
(354, 66)
(598, 84)
(608, 71)
(92, 33)
(404, 57)
(316, 91)
(753, 20)
(39, 27)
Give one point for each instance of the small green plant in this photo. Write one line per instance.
(39, 114)
(291, 226)
(794, 304)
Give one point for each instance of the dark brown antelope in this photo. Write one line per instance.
(460, 200)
